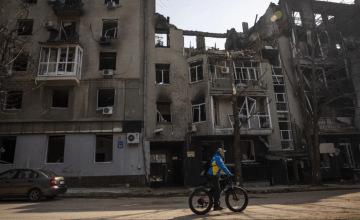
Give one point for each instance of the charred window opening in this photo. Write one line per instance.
(163, 112)
(248, 151)
(110, 28)
(104, 149)
(297, 18)
(60, 98)
(162, 37)
(13, 100)
(318, 19)
(68, 31)
(196, 71)
(116, 1)
(56, 148)
(25, 27)
(272, 55)
(107, 61)
(7, 149)
(21, 63)
(198, 111)
(106, 98)
(162, 74)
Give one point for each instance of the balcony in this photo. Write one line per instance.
(68, 8)
(242, 85)
(63, 36)
(60, 65)
(337, 125)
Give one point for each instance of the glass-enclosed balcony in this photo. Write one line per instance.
(60, 64)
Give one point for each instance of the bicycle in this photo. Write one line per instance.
(201, 200)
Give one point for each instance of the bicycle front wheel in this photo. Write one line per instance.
(200, 201)
(236, 199)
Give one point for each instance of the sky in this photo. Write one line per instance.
(216, 16)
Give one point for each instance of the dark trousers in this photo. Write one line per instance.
(215, 180)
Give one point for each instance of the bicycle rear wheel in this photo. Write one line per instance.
(200, 201)
(236, 199)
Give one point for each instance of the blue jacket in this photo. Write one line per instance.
(217, 166)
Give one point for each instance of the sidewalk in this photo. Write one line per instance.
(183, 191)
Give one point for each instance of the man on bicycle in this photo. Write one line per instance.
(214, 174)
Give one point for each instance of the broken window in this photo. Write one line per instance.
(162, 37)
(25, 27)
(13, 100)
(116, 1)
(110, 28)
(20, 64)
(297, 18)
(285, 131)
(162, 74)
(196, 71)
(56, 148)
(68, 31)
(248, 151)
(107, 61)
(60, 98)
(106, 98)
(7, 149)
(104, 148)
(318, 19)
(163, 111)
(199, 112)
(246, 74)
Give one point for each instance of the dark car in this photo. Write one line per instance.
(31, 183)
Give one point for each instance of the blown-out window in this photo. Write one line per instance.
(7, 149)
(13, 100)
(56, 148)
(108, 61)
(110, 28)
(104, 148)
(163, 112)
(106, 98)
(25, 27)
(248, 150)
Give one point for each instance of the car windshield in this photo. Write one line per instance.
(48, 173)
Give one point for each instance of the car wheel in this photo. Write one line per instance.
(51, 197)
(35, 195)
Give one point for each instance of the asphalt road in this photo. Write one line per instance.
(343, 204)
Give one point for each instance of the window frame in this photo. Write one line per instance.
(162, 75)
(47, 149)
(197, 74)
(101, 59)
(158, 113)
(19, 24)
(52, 99)
(199, 107)
(252, 151)
(6, 100)
(97, 99)
(116, 28)
(9, 164)
(112, 149)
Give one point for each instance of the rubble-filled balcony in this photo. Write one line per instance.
(60, 65)
(68, 7)
(254, 115)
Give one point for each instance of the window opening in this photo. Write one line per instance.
(196, 71)
(60, 98)
(104, 148)
(25, 27)
(110, 28)
(106, 98)
(56, 148)
(116, 1)
(318, 20)
(162, 38)
(20, 64)
(297, 18)
(190, 41)
(199, 113)
(7, 149)
(108, 61)
(163, 112)
(68, 31)
(325, 160)
(29, 1)
(330, 17)
(162, 74)
(13, 100)
(248, 151)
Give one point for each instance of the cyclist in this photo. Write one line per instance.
(217, 168)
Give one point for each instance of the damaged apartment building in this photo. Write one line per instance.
(189, 105)
(119, 99)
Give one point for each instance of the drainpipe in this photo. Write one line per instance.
(144, 142)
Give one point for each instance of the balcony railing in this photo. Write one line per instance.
(68, 36)
(68, 7)
(250, 85)
(336, 124)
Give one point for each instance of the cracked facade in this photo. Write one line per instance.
(181, 104)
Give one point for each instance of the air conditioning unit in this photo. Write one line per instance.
(108, 73)
(105, 40)
(48, 24)
(133, 138)
(225, 70)
(107, 111)
(111, 5)
(191, 128)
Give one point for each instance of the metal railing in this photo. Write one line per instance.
(68, 3)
